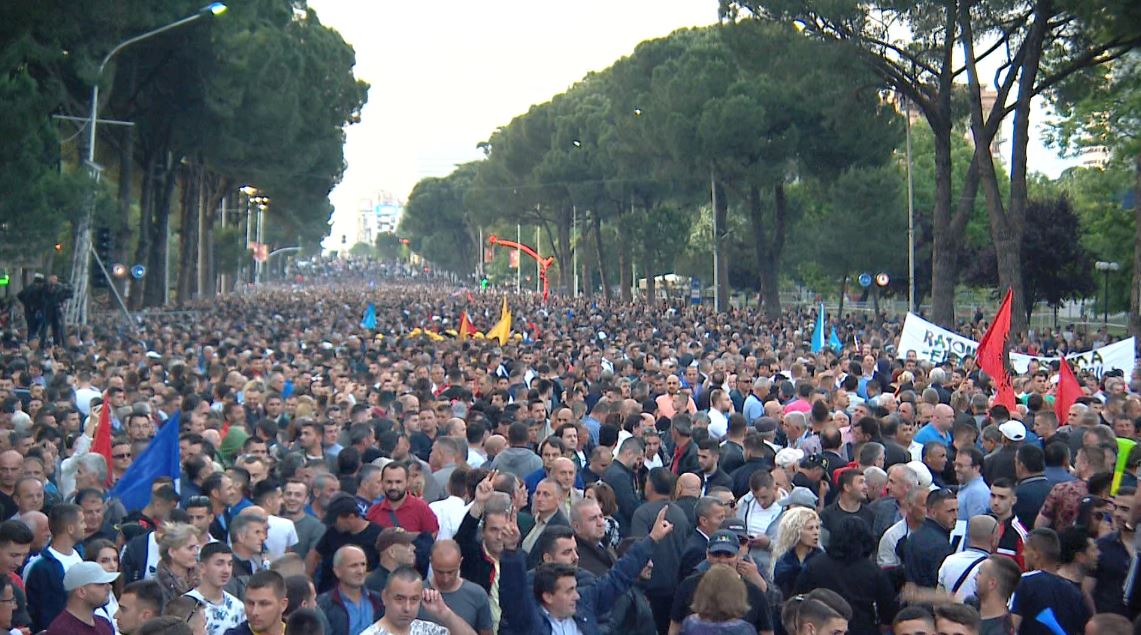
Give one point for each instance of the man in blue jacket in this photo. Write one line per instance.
(557, 603)
(44, 578)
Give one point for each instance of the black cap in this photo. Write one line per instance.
(765, 424)
(341, 505)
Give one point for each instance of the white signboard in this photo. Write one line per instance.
(936, 344)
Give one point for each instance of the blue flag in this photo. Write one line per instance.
(818, 334)
(160, 458)
(834, 342)
(369, 319)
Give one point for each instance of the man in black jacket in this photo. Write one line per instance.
(926, 547)
(708, 457)
(758, 456)
(685, 450)
(709, 513)
(589, 527)
(620, 476)
(482, 553)
(667, 552)
(32, 297)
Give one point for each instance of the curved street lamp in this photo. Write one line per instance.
(77, 311)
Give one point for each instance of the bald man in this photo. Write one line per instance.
(494, 445)
(939, 428)
(959, 570)
(11, 466)
(350, 607)
(466, 599)
(686, 493)
(38, 523)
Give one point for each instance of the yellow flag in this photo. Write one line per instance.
(502, 328)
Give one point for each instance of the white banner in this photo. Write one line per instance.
(937, 344)
(933, 343)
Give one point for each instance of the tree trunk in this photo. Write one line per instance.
(1135, 293)
(596, 219)
(843, 296)
(204, 284)
(188, 232)
(122, 251)
(944, 265)
(770, 279)
(720, 220)
(651, 283)
(625, 276)
(143, 246)
(155, 286)
(1016, 213)
(566, 260)
(584, 261)
(1006, 223)
(767, 248)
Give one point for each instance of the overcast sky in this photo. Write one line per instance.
(444, 75)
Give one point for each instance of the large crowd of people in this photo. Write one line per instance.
(632, 469)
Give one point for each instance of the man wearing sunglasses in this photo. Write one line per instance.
(726, 548)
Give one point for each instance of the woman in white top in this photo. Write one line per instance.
(106, 555)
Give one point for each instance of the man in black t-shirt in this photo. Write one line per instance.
(1043, 601)
(726, 549)
(346, 527)
(850, 502)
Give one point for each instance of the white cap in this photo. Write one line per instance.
(789, 457)
(86, 573)
(1013, 430)
(922, 472)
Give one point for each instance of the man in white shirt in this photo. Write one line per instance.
(281, 533)
(720, 405)
(758, 509)
(222, 610)
(450, 511)
(959, 570)
(85, 392)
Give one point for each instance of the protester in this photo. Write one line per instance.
(87, 588)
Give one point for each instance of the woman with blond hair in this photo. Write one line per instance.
(177, 571)
(797, 541)
(719, 603)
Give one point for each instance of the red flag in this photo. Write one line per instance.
(1067, 393)
(992, 353)
(467, 329)
(102, 443)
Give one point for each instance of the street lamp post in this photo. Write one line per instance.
(77, 311)
(1105, 268)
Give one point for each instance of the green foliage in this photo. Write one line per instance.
(389, 247)
(437, 222)
(38, 200)
(361, 250)
(1101, 108)
(259, 95)
(1107, 228)
(230, 248)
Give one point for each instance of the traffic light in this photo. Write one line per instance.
(484, 283)
(104, 246)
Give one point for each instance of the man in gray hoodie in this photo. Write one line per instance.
(518, 459)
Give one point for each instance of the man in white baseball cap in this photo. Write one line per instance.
(88, 587)
(1000, 463)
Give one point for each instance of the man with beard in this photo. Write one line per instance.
(398, 509)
